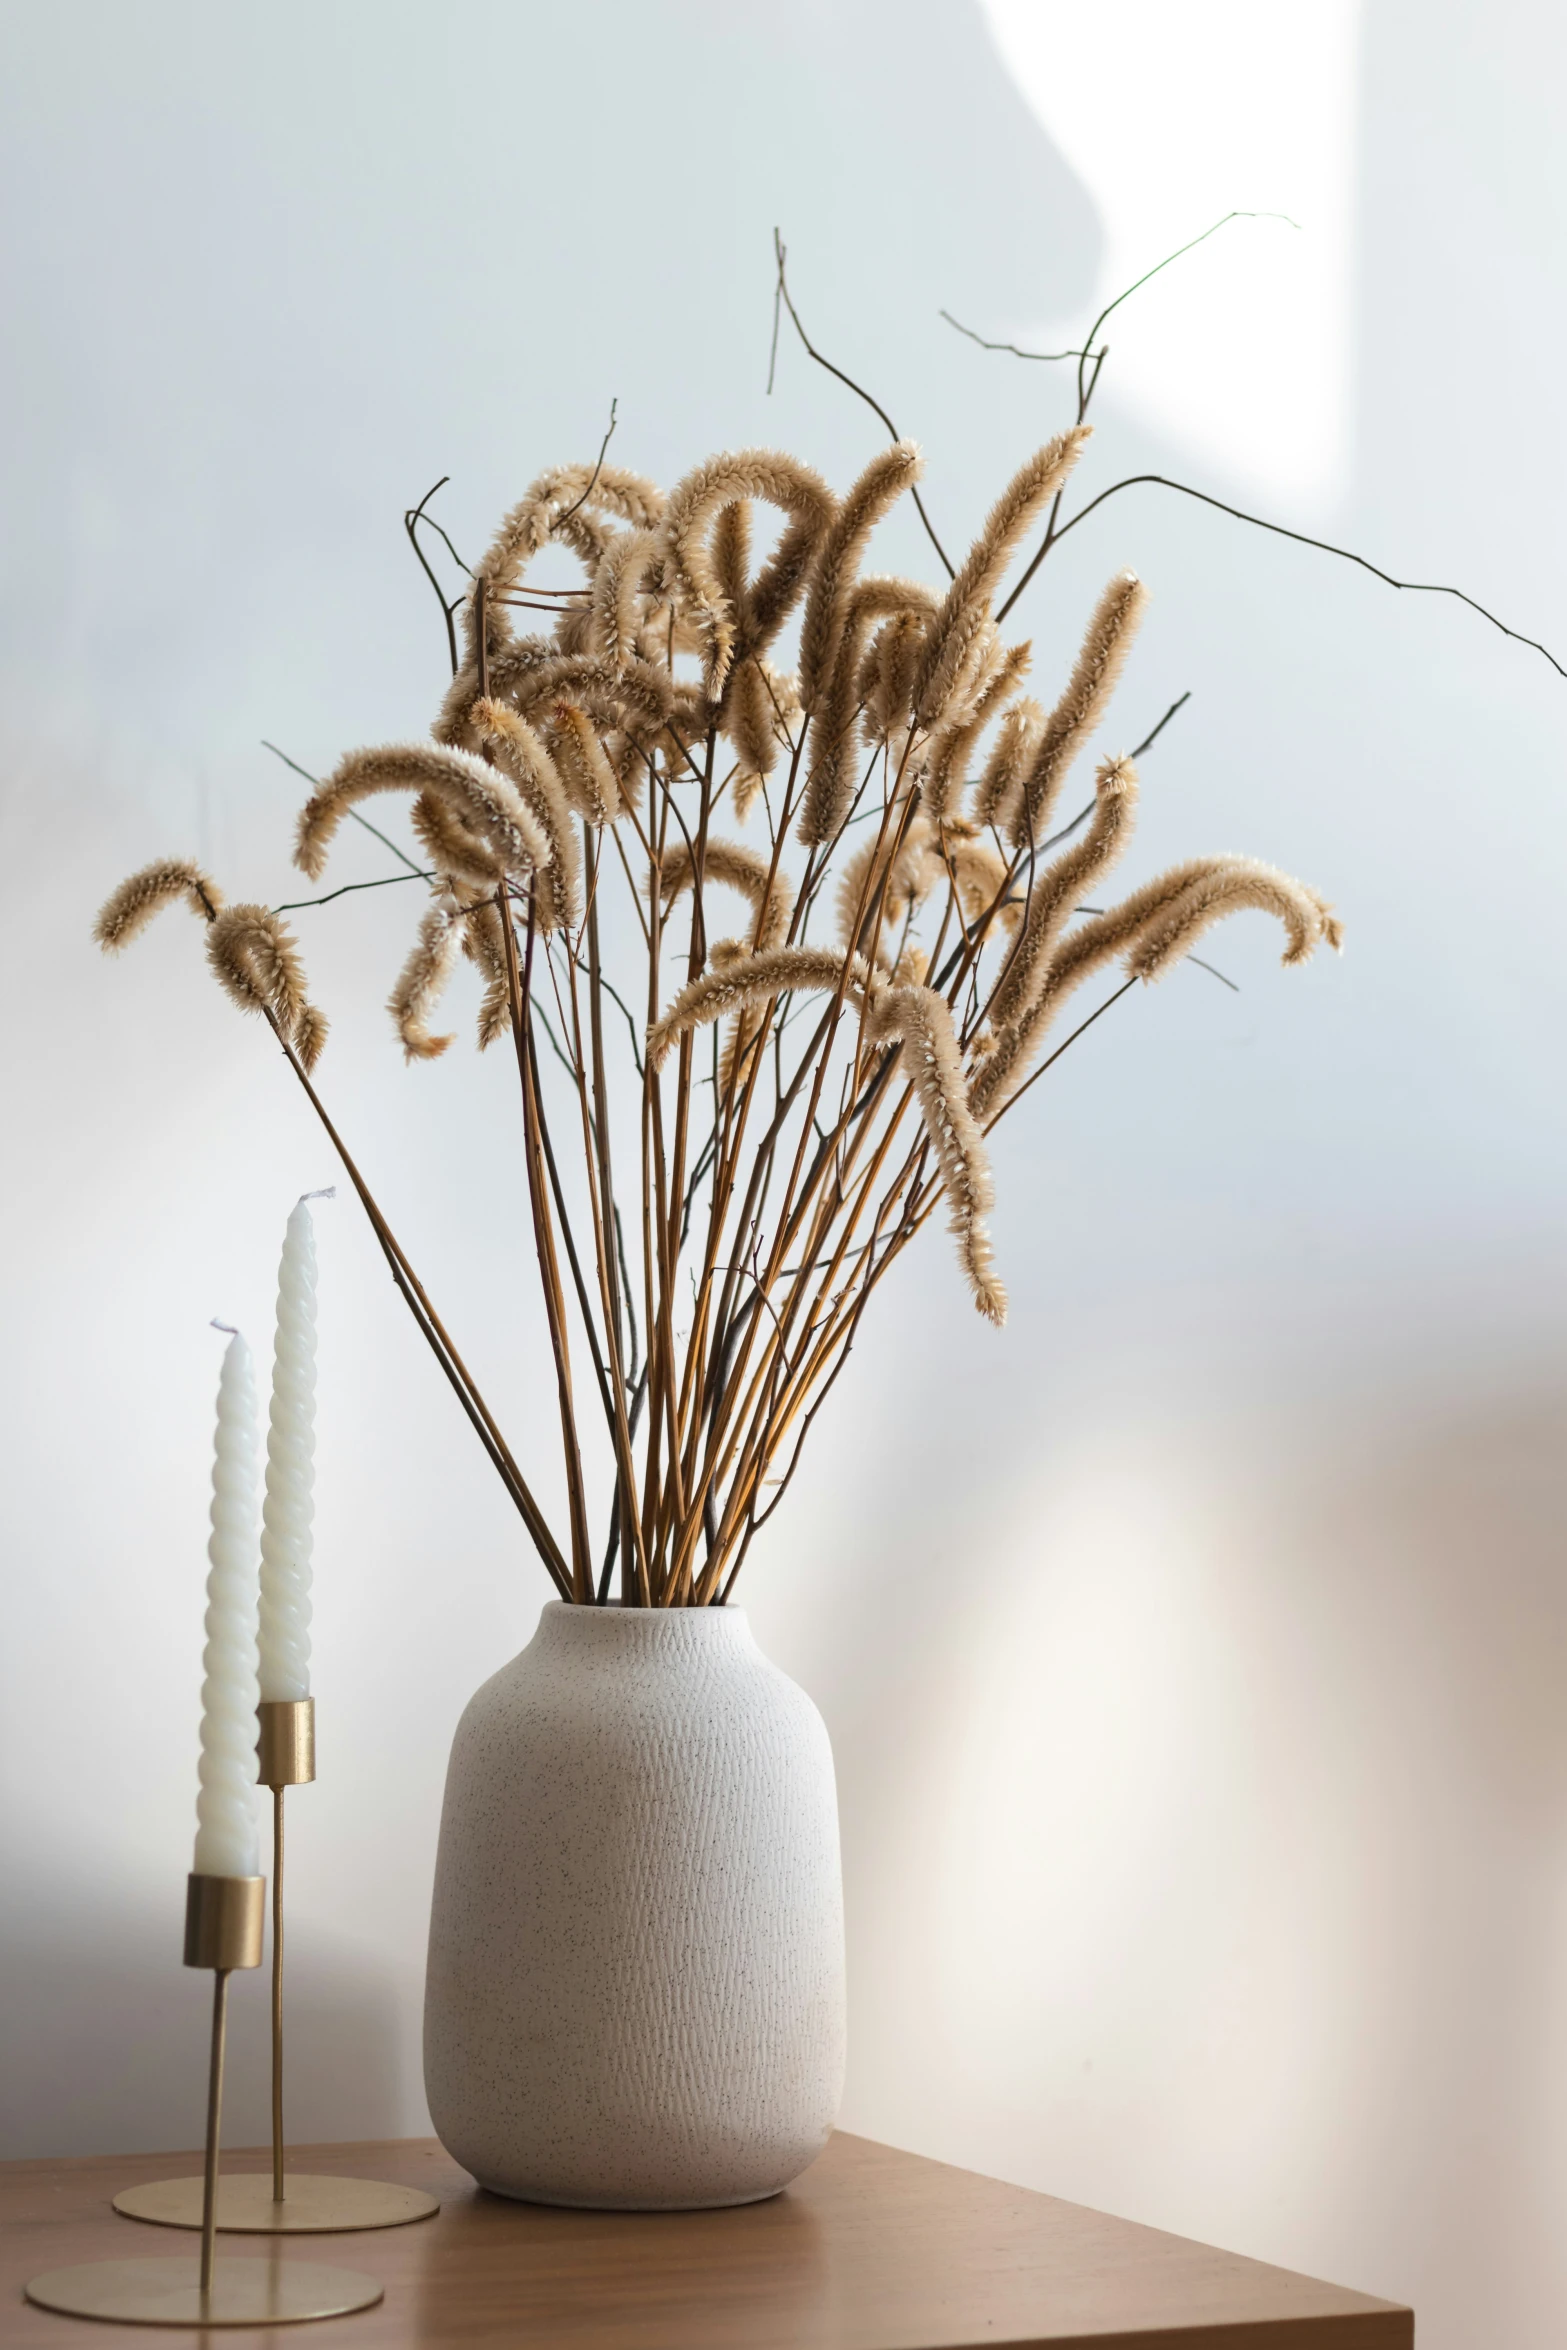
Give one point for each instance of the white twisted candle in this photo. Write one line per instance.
(226, 1843)
(289, 1509)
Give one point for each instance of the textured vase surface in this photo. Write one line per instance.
(635, 1994)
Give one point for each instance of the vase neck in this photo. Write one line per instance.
(683, 1631)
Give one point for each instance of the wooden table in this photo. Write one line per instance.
(870, 2250)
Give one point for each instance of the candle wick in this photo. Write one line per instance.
(328, 1192)
(225, 1326)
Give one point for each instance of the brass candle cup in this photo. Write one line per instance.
(286, 1744)
(225, 1919)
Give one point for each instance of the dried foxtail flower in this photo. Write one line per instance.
(885, 882)
(921, 1021)
(751, 979)
(1105, 646)
(945, 776)
(977, 668)
(574, 630)
(583, 764)
(256, 961)
(829, 790)
(1053, 896)
(508, 661)
(885, 683)
(764, 707)
(126, 912)
(619, 607)
(731, 552)
(1173, 910)
(484, 800)
(979, 874)
(999, 790)
(635, 696)
(483, 945)
(311, 1034)
(838, 559)
(751, 722)
(552, 505)
(423, 978)
(628, 763)
(770, 895)
(454, 851)
(750, 473)
(557, 892)
(690, 716)
(565, 503)
(777, 588)
(967, 601)
(1309, 921)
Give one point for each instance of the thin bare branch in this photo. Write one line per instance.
(783, 294)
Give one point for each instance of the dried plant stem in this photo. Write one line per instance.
(519, 990)
(596, 1159)
(435, 1334)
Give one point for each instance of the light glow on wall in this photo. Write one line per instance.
(1241, 352)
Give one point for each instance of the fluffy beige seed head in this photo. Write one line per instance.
(751, 979)
(423, 979)
(583, 765)
(888, 475)
(967, 601)
(484, 800)
(452, 849)
(1058, 890)
(1114, 624)
(1230, 888)
(126, 912)
(797, 489)
(946, 767)
(770, 895)
(254, 957)
(885, 881)
(921, 1022)
(557, 889)
(1152, 928)
(829, 791)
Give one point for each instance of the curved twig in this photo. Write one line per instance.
(1416, 587)
(783, 295)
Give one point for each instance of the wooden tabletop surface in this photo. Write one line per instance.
(870, 2250)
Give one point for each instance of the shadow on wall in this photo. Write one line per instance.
(104, 2043)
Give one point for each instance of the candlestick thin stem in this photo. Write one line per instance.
(209, 2187)
(277, 1994)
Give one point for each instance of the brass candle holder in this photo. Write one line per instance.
(223, 1930)
(284, 2203)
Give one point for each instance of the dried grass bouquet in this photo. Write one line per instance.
(850, 922)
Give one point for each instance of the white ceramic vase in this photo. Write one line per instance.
(635, 1994)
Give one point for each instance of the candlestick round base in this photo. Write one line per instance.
(168, 2292)
(312, 2205)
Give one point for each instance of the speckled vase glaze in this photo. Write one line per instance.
(635, 1994)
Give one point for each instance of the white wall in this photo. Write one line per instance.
(1194, 1650)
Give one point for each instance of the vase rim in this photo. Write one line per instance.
(562, 1611)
